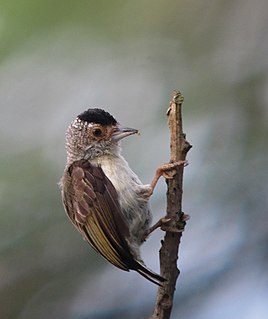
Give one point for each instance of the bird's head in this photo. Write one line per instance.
(94, 133)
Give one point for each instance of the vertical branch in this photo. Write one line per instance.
(170, 245)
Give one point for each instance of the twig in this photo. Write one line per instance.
(179, 148)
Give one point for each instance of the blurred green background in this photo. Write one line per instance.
(57, 58)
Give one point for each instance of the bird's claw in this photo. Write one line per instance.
(178, 226)
(168, 171)
(164, 224)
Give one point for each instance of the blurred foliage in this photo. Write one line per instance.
(56, 59)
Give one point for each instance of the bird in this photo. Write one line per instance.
(103, 198)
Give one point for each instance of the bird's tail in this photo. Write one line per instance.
(149, 274)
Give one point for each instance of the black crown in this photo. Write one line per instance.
(97, 116)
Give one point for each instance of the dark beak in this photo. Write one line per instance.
(122, 132)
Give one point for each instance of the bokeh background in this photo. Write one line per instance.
(60, 57)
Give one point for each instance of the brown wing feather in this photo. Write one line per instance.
(91, 203)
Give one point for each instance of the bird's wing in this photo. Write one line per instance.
(91, 203)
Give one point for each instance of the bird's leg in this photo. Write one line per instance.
(159, 224)
(168, 171)
(163, 224)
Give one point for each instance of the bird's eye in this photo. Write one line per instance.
(97, 132)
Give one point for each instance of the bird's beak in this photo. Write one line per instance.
(122, 132)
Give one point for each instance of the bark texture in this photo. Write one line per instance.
(168, 254)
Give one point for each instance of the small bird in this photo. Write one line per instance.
(103, 197)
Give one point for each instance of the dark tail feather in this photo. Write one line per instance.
(150, 275)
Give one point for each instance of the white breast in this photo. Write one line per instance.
(120, 174)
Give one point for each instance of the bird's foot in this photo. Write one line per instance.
(168, 171)
(169, 224)
(174, 225)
